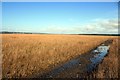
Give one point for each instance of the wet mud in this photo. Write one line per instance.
(81, 66)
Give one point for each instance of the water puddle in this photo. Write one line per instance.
(99, 53)
(88, 61)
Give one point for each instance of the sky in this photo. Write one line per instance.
(61, 17)
(60, 0)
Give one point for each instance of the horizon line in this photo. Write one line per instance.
(17, 32)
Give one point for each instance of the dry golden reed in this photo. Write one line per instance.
(27, 54)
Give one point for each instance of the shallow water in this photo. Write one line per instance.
(99, 53)
(96, 57)
(66, 66)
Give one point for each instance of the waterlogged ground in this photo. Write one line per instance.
(25, 55)
(109, 68)
(82, 65)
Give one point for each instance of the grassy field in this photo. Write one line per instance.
(28, 54)
(109, 68)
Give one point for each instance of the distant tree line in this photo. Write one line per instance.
(7, 32)
(102, 34)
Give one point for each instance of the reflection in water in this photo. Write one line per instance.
(102, 51)
(96, 57)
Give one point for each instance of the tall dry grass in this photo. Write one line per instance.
(109, 68)
(27, 54)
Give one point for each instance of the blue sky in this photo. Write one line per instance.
(60, 17)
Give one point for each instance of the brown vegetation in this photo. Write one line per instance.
(109, 68)
(27, 54)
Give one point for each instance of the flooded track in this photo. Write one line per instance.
(82, 65)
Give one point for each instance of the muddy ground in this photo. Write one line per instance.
(24, 56)
(109, 68)
(80, 67)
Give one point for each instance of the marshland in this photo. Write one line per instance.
(59, 40)
(34, 55)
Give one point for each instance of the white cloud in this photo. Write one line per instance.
(100, 26)
(104, 26)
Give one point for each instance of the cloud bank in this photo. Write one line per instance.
(100, 26)
(96, 26)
